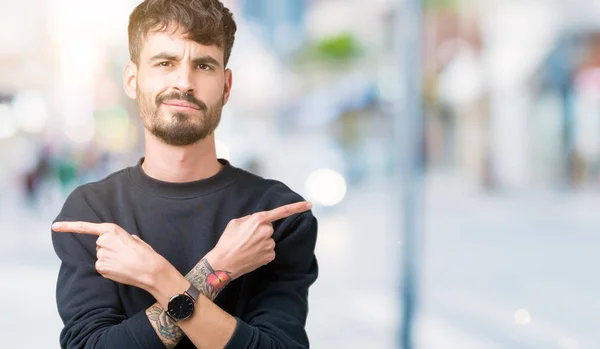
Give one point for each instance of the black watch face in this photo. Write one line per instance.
(181, 307)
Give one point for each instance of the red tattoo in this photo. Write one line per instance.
(208, 281)
(217, 280)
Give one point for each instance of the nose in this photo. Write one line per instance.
(183, 83)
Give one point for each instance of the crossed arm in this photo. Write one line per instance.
(210, 326)
(204, 278)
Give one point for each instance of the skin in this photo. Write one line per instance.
(180, 87)
(172, 65)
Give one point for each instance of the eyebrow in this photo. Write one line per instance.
(198, 60)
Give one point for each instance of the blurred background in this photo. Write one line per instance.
(504, 210)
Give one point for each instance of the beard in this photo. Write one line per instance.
(179, 128)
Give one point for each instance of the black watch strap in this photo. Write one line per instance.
(193, 292)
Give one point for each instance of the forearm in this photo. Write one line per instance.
(166, 329)
(209, 326)
(209, 283)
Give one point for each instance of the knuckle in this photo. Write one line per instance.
(100, 253)
(103, 240)
(109, 227)
(269, 229)
(272, 244)
(259, 216)
(234, 222)
(100, 267)
(263, 234)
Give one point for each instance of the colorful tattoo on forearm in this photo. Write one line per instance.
(208, 281)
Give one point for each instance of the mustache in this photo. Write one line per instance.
(162, 98)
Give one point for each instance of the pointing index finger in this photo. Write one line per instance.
(287, 210)
(78, 228)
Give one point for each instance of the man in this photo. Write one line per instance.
(245, 244)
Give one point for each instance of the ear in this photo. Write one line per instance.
(130, 80)
(228, 82)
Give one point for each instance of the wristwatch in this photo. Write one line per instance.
(181, 306)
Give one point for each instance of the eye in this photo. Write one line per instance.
(164, 64)
(204, 67)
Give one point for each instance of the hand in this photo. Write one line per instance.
(246, 243)
(122, 257)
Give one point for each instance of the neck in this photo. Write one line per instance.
(180, 164)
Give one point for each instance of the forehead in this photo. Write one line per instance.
(176, 43)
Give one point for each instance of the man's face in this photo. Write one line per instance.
(180, 87)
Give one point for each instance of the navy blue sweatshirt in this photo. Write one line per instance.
(182, 222)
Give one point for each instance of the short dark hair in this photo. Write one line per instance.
(207, 22)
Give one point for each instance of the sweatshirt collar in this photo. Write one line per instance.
(226, 176)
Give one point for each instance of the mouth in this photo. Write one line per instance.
(181, 105)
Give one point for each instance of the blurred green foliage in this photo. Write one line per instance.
(340, 47)
(335, 50)
(442, 4)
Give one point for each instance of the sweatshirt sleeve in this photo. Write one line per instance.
(88, 304)
(275, 316)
